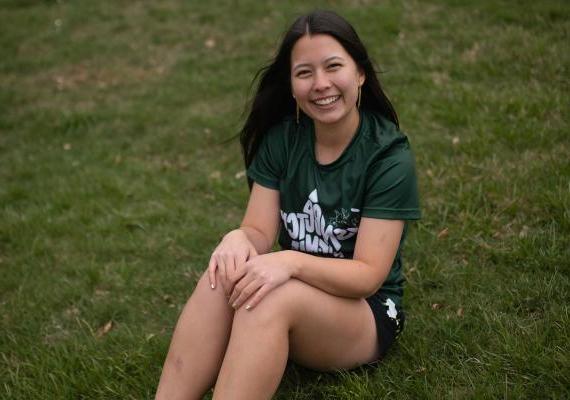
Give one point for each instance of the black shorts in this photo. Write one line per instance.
(389, 320)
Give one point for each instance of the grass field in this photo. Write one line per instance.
(117, 180)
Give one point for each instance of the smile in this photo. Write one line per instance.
(326, 100)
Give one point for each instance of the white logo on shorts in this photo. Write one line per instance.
(392, 313)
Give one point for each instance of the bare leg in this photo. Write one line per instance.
(198, 345)
(299, 321)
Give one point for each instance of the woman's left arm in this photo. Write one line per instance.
(376, 247)
(360, 277)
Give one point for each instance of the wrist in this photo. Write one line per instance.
(292, 262)
(233, 234)
(237, 231)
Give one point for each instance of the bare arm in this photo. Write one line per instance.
(376, 247)
(261, 220)
(255, 236)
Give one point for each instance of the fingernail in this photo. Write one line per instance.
(234, 305)
(247, 307)
(212, 285)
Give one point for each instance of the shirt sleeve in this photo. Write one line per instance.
(268, 166)
(391, 186)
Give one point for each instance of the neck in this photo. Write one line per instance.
(337, 136)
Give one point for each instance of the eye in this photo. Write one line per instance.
(303, 73)
(334, 66)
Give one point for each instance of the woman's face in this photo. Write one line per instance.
(324, 79)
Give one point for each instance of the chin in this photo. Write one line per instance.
(331, 118)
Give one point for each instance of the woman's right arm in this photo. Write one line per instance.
(255, 235)
(261, 219)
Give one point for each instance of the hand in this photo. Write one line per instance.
(262, 274)
(228, 260)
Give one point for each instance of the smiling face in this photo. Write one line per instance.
(325, 79)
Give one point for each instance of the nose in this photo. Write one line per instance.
(321, 81)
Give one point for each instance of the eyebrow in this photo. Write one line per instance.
(296, 67)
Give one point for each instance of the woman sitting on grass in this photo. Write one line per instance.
(332, 176)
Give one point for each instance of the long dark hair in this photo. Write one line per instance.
(273, 99)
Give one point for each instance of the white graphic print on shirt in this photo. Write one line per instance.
(310, 232)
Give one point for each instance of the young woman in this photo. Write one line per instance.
(333, 177)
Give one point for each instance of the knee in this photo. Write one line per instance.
(277, 307)
(203, 281)
(203, 296)
(205, 287)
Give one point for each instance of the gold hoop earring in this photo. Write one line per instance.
(297, 111)
(359, 97)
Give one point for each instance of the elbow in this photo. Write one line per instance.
(360, 289)
(373, 282)
(369, 291)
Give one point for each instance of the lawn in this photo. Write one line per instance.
(119, 172)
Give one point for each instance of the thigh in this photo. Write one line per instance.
(329, 332)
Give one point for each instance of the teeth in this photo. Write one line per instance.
(327, 100)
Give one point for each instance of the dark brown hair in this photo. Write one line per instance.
(273, 99)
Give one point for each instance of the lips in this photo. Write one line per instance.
(325, 101)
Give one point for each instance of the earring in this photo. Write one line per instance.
(359, 97)
(297, 111)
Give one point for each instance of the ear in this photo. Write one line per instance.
(361, 77)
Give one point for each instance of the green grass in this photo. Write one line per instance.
(116, 182)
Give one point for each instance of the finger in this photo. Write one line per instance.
(239, 272)
(230, 272)
(212, 271)
(223, 273)
(252, 252)
(244, 280)
(236, 292)
(238, 288)
(222, 276)
(258, 296)
(245, 294)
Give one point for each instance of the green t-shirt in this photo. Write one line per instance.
(321, 205)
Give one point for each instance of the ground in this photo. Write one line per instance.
(119, 172)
